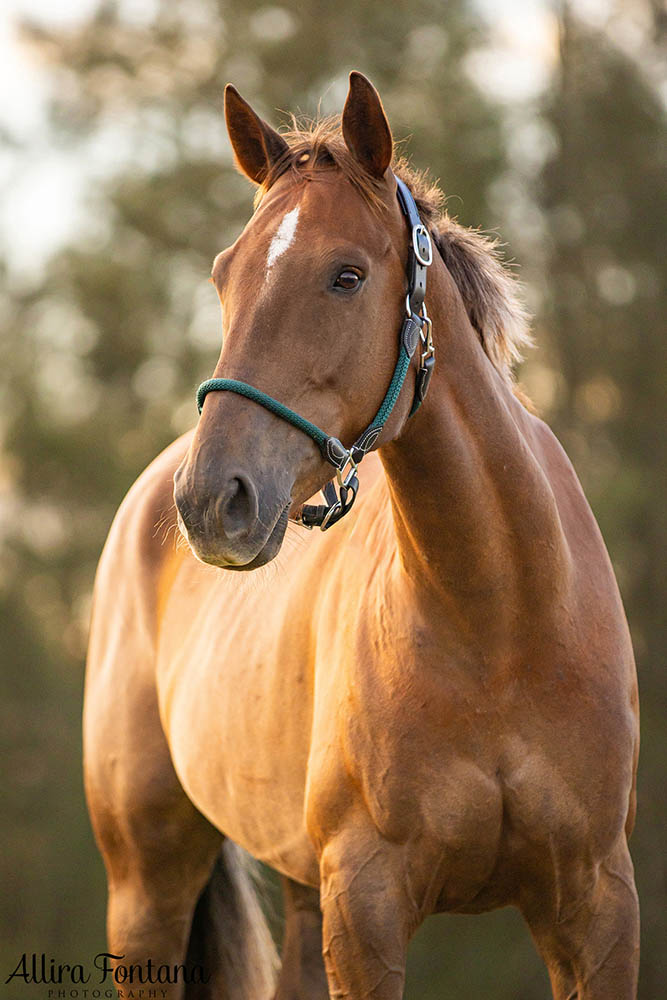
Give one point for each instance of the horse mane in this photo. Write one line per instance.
(490, 291)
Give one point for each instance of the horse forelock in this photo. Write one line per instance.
(491, 293)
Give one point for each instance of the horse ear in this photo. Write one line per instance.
(365, 127)
(256, 145)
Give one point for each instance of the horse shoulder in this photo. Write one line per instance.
(139, 548)
(120, 705)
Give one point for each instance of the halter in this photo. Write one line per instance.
(416, 328)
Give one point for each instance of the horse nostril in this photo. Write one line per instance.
(237, 508)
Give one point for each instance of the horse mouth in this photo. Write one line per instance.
(206, 551)
(269, 550)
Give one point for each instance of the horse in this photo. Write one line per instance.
(426, 704)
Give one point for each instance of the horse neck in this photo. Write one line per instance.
(475, 517)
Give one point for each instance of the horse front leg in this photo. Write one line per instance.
(177, 896)
(368, 915)
(591, 945)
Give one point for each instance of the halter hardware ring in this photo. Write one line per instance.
(344, 481)
(420, 316)
(426, 337)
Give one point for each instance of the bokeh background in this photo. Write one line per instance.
(544, 122)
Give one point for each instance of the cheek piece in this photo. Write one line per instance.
(339, 495)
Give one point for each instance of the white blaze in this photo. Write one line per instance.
(283, 237)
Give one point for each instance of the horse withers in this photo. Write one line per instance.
(431, 705)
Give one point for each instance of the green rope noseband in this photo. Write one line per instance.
(280, 410)
(416, 326)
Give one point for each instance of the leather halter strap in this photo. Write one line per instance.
(416, 327)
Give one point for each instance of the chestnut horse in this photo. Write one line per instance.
(430, 707)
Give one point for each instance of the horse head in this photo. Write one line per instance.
(312, 296)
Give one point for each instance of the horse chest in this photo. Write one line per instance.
(386, 754)
(435, 760)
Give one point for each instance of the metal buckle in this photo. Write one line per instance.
(344, 482)
(347, 484)
(427, 358)
(420, 232)
(426, 338)
(329, 514)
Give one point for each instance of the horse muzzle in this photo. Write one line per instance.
(231, 521)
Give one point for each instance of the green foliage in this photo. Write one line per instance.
(102, 352)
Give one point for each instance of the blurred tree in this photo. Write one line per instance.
(606, 259)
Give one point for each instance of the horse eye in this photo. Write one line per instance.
(349, 280)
